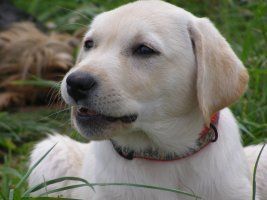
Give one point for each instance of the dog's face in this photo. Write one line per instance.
(138, 66)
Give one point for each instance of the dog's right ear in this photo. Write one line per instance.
(221, 76)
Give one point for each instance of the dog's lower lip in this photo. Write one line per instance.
(128, 119)
(84, 112)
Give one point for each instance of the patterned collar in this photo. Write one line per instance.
(206, 136)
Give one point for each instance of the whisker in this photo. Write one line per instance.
(55, 113)
(63, 25)
(52, 97)
(52, 94)
(75, 11)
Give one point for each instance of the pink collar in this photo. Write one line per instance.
(207, 135)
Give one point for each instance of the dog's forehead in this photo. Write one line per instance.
(144, 16)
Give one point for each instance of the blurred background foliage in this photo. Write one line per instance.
(242, 22)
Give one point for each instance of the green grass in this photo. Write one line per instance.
(243, 23)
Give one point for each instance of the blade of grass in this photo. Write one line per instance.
(91, 185)
(64, 188)
(131, 185)
(38, 83)
(254, 173)
(46, 198)
(45, 184)
(147, 187)
(24, 178)
(11, 171)
(245, 130)
(11, 194)
(53, 181)
(10, 130)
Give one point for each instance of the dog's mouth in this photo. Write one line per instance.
(87, 114)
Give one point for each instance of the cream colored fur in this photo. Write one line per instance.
(174, 94)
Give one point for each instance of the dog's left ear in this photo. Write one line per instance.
(221, 76)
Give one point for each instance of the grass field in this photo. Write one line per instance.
(242, 22)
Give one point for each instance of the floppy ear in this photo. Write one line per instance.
(221, 76)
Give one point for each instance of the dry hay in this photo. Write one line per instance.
(25, 51)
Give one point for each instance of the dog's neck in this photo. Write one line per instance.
(175, 135)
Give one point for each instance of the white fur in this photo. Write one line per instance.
(173, 94)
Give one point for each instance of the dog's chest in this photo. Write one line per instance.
(111, 168)
(103, 165)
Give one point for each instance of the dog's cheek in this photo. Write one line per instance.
(179, 90)
(142, 84)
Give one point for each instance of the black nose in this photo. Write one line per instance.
(80, 85)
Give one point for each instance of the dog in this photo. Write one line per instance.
(150, 90)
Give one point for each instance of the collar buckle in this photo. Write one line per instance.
(215, 132)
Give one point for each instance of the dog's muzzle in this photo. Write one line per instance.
(91, 114)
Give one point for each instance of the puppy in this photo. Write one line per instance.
(149, 90)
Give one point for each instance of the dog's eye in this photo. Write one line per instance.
(144, 50)
(88, 44)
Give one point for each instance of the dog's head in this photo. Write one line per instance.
(150, 62)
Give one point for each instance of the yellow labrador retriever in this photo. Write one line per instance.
(149, 90)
